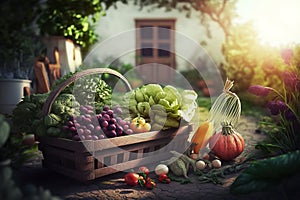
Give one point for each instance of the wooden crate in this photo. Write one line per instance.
(90, 159)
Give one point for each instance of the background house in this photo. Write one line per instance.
(169, 38)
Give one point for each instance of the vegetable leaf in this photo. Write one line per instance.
(265, 174)
(152, 89)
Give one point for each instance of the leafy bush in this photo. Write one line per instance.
(249, 62)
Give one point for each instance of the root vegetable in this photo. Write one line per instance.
(202, 135)
(161, 169)
(216, 163)
(200, 164)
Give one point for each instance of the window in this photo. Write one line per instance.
(155, 44)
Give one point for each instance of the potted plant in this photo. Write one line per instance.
(18, 47)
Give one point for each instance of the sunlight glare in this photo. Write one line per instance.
(276, 21)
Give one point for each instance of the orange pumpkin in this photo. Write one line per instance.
(227, 144)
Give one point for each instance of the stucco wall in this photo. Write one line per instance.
(122, 20)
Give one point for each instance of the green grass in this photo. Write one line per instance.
(250, 109)
(204, 102)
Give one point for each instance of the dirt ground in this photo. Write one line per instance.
(114, 187)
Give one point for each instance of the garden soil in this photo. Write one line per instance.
(114, 187)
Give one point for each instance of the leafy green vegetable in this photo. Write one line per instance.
(52, 120)
(267, 173)
(189, 104)
(88, 90)
(27, 116)
(172, 94)
(92, 90)
(161, 105)
(152, 89)
(27, 111)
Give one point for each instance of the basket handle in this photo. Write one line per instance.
(54, 94)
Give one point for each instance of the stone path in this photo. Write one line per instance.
(113, 186)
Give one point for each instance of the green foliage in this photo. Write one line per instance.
(283, 105)
(89, 90)
(221, 12)
(204, 102)
(73, 19)
(27, 116)
(281, 138)
(216, 176)
(193, 76)
(118, 66)
(265, 174)
(13, 150)
(27, 112)
(92, 90)
(12, 147)
(70, 19)
(16, 151)
(249, 62)
(19, 43)
(267, 126)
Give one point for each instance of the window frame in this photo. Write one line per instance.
(160, 22)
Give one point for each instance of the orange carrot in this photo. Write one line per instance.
(202, 135)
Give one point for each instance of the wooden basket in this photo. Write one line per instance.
(90, 159)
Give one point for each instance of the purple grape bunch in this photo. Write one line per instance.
(91, 126)
(111, 124)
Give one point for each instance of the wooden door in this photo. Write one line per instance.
(155, 49)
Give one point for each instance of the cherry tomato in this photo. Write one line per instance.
(144, 170)
(163, 178)
(150, 184)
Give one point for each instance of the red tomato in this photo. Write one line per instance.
(163, 178)
(150, 184)
(144, 170)
(132, 178)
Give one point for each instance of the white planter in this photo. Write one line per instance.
(11, 93)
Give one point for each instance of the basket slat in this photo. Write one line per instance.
(83, 166)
